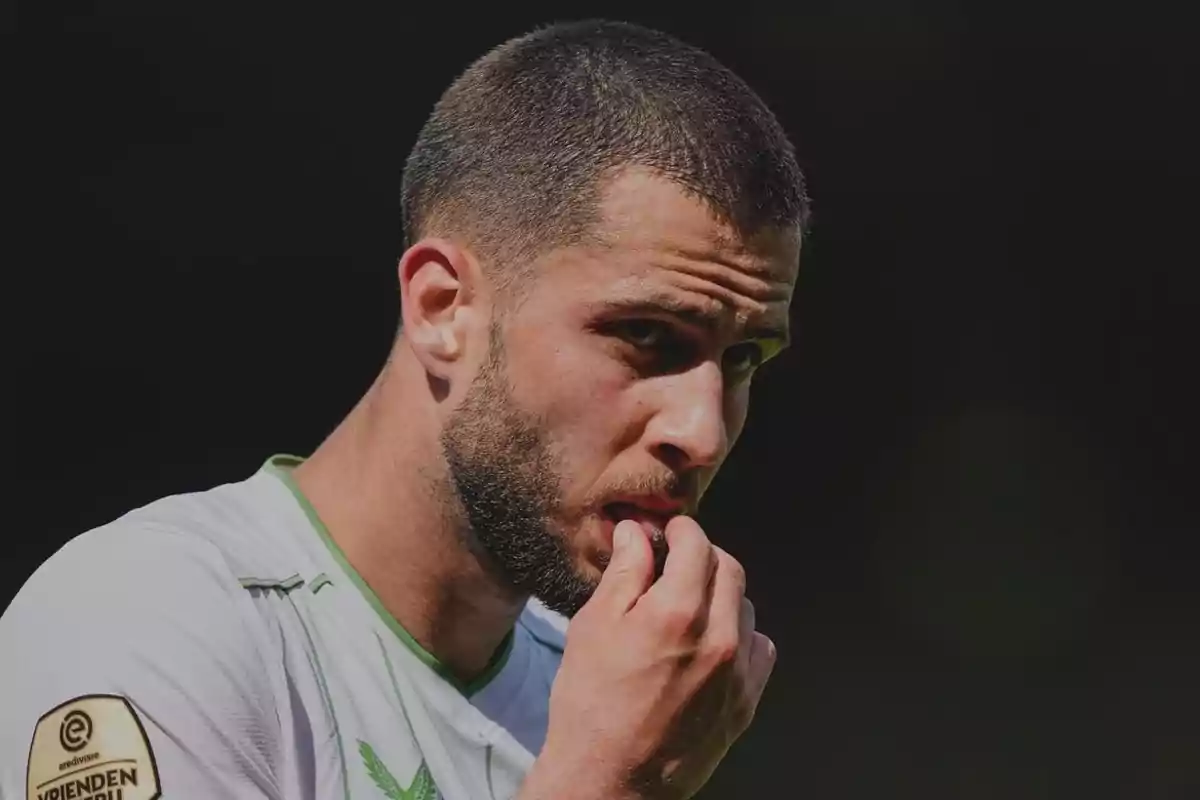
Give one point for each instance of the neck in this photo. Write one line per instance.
(379, 486)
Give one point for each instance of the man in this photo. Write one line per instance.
(603, 231)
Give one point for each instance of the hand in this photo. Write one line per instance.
(659, 678)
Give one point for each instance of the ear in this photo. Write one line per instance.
(439, 301)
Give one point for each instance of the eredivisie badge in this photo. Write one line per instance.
(91, 748)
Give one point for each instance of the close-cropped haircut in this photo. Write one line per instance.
(514, 156)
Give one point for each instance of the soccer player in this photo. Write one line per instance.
(487, 582)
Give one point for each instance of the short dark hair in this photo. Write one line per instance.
(515, 152)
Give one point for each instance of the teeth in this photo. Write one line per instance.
(653, 529)
(651, 523)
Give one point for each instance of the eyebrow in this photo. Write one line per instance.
(708, 318)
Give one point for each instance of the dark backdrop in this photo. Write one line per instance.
(964, 499)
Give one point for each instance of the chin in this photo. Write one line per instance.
(593, 546)
(591, 572)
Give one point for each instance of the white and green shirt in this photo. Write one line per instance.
(218, 645)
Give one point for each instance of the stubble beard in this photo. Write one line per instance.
(505, 492)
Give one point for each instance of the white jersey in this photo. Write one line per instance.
(218, 645)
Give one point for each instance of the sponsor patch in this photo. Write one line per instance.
(91, 748)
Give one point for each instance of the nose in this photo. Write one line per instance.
(689, 431)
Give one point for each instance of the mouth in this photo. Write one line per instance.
(653, 515)
(651, 512)
(653, 521)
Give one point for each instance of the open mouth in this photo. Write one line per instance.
(654, 523)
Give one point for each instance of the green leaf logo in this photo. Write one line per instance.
(421, 788)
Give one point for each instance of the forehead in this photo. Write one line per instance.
(654, 240)
(639, 209)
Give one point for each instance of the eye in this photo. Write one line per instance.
(656, 346)
(744, 358)
(644, 334)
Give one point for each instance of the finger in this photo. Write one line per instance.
(688, 572)
(761, 664)
(726, 610)
(746, 621)
(629, 573)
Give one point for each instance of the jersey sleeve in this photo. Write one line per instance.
(131, 661)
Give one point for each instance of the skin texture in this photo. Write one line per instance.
(480, 467)
(625, 371)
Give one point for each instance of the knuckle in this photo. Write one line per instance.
(733, 569)
(721, 650)
(680, 621)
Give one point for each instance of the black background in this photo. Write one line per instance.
(964, 498)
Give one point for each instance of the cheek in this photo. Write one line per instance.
(574, 389)
(737, 407)
(579, 398)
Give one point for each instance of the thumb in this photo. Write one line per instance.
(630, 571)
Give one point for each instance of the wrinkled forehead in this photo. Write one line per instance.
(652, 241)
(642, 211)
(658, 251)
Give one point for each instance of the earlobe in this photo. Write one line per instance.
(435, 291)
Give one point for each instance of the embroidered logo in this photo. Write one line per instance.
(421, 788)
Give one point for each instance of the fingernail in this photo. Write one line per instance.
(621, 537)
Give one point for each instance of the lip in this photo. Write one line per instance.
(651, 503)
(653, 522)
(652, 514)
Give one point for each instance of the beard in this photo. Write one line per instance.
(507, 491)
